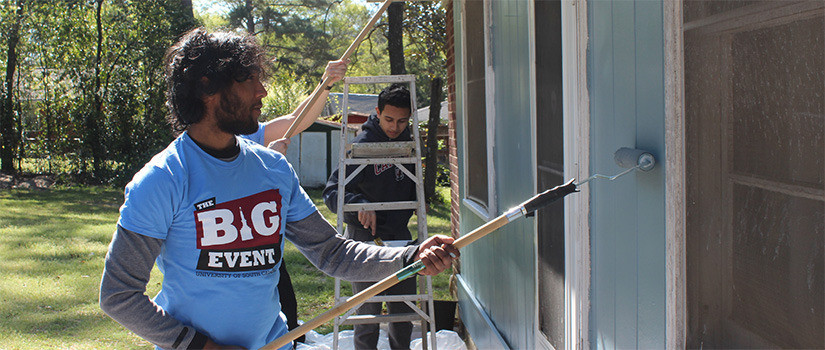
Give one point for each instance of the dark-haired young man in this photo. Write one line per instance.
(380, 183)
(212, 210)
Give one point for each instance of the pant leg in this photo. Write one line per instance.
(365, 336)
(400, 332)
(289, 305)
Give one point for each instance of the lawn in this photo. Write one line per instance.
(52, 245)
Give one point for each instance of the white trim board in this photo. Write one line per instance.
(675, 180)
(576, 104)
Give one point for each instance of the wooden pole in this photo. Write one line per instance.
(381, 286)
(531, 205)
(350, 50)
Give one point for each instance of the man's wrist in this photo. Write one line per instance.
(329, 87)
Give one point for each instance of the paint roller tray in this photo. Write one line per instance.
(383, 149)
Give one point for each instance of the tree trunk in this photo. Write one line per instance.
(431, 162)
(7, 132)
(395, 38)
(250, 20)
(186, 5)
(94, 117)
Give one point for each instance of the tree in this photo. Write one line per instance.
(293, 31)
(395, 38)
(431, 160)
(93, 118)
(425, 27)
(7, 119)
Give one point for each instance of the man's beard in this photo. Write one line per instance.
(233, 118)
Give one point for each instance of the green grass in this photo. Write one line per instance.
(52, 245)
(51, 256)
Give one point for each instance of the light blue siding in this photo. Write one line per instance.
(627, 215)
(500, 269)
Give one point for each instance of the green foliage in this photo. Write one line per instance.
(284, 92)
(60, 86)
(60, 82)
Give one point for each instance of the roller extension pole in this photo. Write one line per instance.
(531, 205)
(317, 92)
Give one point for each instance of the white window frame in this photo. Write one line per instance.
(490, 211)
(576, 120)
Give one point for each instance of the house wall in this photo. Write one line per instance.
(625, 68)
(497, 284)
(627, 215)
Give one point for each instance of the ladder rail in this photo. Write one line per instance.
(424, 295)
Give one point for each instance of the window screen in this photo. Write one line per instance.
(755, 145)
(550, 160)
(475, 102)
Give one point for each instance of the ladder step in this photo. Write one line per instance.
(380, 206)
(392, 298)
(379, 79)
(368, 319)
(383, 149)
(389, 160)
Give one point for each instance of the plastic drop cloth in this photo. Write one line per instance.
(445, 339)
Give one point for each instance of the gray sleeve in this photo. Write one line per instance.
(128, 265)
(344, 258)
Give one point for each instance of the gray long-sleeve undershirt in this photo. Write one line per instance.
(131, 257)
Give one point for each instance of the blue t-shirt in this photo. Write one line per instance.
(258, 136)
(222, 224)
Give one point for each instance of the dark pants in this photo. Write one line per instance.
(366, 335)
(289, 305)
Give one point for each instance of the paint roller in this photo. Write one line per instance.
(629, 158)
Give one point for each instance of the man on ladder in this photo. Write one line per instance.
(382, 183)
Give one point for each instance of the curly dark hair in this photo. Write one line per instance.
(396, 95)
(203, 63)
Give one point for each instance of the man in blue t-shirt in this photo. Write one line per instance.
(271, 134)
(212, 210)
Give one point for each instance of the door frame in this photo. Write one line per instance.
(675, 176)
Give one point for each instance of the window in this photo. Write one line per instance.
(550, 164)
(755, 149)
(476, 104)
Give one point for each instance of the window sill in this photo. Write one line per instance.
(477, 209)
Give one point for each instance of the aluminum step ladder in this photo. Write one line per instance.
(396, 153)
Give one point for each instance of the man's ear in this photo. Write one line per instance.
(206, 96)
(210, 100)
(377, 112)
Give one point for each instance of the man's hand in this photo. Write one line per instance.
(279, 145)
(437, 254)
(336, 70)
(367, 219)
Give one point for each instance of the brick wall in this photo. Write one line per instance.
(453, 157)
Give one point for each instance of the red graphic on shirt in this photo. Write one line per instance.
(247, 222)
(380, 168)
